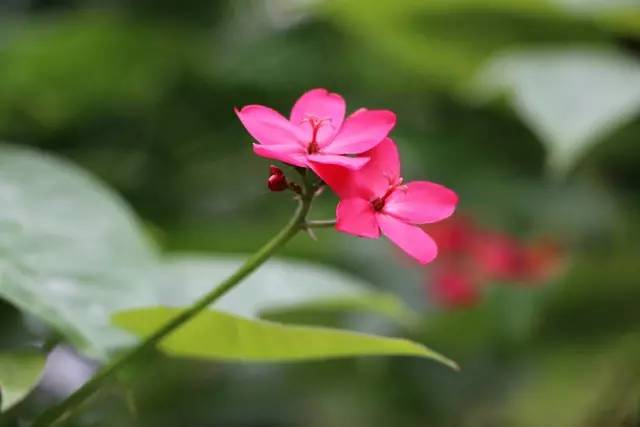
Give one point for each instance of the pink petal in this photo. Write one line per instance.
(370, 181)
(409, 238)
(383, 168)
(321, 104)
(268, 127)
(283, 153)
(362, 131)
(352, 163)
(339, 179)
(356, 216)
(421, 202)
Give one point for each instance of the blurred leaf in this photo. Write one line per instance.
(571, 98)
(52, 207)
(61, 70)
(71, 254)
(217, 335)
(384, 304)
(69, 248)
(278, 285)
(447, 41)
(621, 16)
(19, 373)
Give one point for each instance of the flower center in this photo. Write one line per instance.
(378, 203)
(315, 123)
(313, 147)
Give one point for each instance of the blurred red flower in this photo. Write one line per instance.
(472, 257)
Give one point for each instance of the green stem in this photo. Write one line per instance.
(325, 223)
(66, 408)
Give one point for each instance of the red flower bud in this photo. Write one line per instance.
(276, 181)
(274, 170)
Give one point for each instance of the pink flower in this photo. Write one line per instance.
(498, 255)
(453, 288)
(503, 258)
(316, 131)
(374, 200)
(472, 257)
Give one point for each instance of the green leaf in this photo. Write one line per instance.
(571, 98)
(69, 248)
(279, 285)
(72, 254)
(438, 39)
(54, 214)
(217, 335)
(312, 312)
(19, 374)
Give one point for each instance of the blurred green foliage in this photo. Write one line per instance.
(141, 93)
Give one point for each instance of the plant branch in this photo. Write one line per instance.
(66, 408)
(324, 223)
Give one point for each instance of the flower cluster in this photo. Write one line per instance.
(472, 257)
(356, 158)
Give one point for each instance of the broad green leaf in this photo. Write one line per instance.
(69, 248)
(72, 254)
(312, 312)
(218, 335)
(571, 98)
(277, 285)
(54, 214)
(19, 374)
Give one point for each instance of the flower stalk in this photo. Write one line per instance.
(324, 223)
(68, 407)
